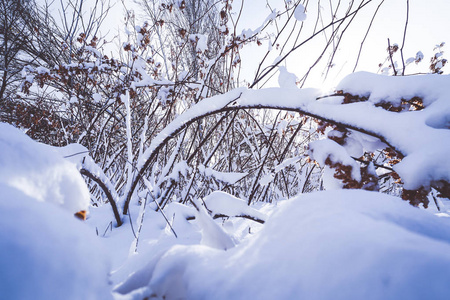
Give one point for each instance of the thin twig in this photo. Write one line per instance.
(107, 192)
(435, 202)
(109, 226)
(376, 165)
(404, 36)
(390, 56)
(367, 33)
(307, 178)
(164, 215)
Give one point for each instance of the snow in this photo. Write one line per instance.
(299, 13)
(73, 99)
(79, 156)
(285, 163)
(393, 88)
(97, 97)
(40, 172)
(201, 108)
(427, 148)
(286, 79)
(334, 244)
(429, 143)
(212, 234)
(201, 40)
(221, 203)
(225, 177)
(323, 149)
(266, 179)
(42, 70)
(326, 245)
(46, 253)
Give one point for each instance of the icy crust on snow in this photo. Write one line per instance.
(39, 171)
(46, 253)
(347, 244)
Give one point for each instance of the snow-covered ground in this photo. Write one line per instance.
(45, 252)
(325, 245)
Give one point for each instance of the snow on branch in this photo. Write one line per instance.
(222, 204)
(79, 155)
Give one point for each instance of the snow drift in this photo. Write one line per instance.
(46, 253)
(347, 244)
(39, 171)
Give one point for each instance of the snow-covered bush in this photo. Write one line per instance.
(193, 166)
(178, 57)
(409, 117)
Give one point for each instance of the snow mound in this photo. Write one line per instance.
(346, 244)
(46, 253)
(212, 234)
(39, 171)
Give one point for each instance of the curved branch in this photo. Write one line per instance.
(253, 218)
(107, 192)
(221, 104)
